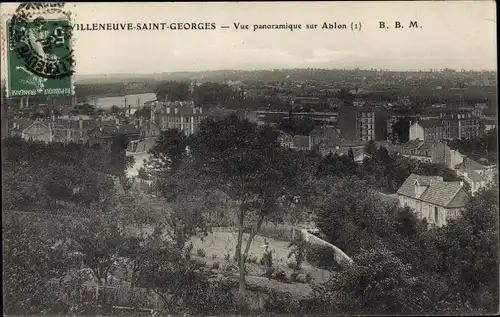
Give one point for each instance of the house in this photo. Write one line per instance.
(322, 133)
(301, 142)
(32, 130)
(75, 129)
(432, 152)
(469, 164)
(475, 180)
(285, 140)
(106, 134)
(427, 130)
(433, 199)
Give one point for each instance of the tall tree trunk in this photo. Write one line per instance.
(240, 259)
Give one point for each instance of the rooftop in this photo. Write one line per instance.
(437, 192)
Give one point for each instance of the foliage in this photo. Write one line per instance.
(299, 126)
(298, 250)
(166, 158)
(39, 175)
(485, 146)
(246, 163)
(401, 131)
(351, 219)
(209, 95)
(322, 257)
(172, 91)
(378, 282)
(33, 255)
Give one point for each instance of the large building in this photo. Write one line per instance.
(362, 123)
(427, 130)
(180, 115)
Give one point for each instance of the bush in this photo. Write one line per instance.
(215, 266)
(293, 266)
(214, 256)
(298, 249)
(308, 278)
(280, 303)
(201, 252)
(322, 257)
(252, 259)
(267, 258)
(269, 272)
(279, 275)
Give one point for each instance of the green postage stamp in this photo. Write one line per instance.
(39, 55)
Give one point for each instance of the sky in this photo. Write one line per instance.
(451, 34)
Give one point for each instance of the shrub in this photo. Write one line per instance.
(308, 277)
(298, 249)
(267, 258)
(293, 266)
(214, 256)
(201, 252)
(280, 275)
(269, 272)
(322, 257)
(280, 303)
(215, 266)
(252, 259)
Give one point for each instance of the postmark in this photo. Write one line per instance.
(40, 54)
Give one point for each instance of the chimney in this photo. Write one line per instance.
(465, 174)
(194, 110)
(461, 184)
(80, 123)
(201, 110)
(176, 110)
(168, 110)
(100, 128)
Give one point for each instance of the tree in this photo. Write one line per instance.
(166, 158)
(115, 110)
(32, 258)
(471, 256)
(351, 219)
(172, 91)
(99, 242)
(246, 163)
(401, 130)
(376, 283)
(371, 148)
(212, 94)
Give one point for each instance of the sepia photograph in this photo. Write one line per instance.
(306, 158)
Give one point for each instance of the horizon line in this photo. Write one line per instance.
(294, 68)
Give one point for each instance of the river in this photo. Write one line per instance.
(135, 101)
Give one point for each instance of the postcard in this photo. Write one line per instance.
(249, 158)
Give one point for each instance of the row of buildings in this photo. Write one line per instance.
(101, 130)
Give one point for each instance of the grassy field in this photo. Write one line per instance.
(218, 245)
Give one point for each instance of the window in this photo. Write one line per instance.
(436, 214)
